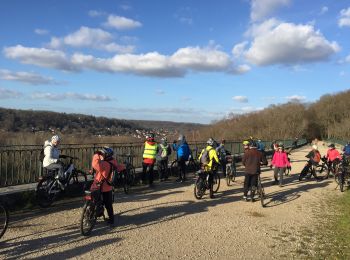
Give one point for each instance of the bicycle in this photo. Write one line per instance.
(202, 183)
(4, 219)
(343, 174)
(260, 191)
(231, 171)
(49, 188)
(92, 210)
(311, 171)
(126, 178)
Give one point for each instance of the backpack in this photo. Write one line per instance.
(164, 152)
(317, 157)
(205, 156)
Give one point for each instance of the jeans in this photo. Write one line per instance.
(250, 182)
(163, 169)
(278, 174)
(181, 164)
(150, 172)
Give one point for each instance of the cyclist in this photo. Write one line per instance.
(261, 146)
(314, 158)
(51, 158)
(104, 163)
(209, 160)
(280, 162)
(150, 150)
(252, 159)
(222, 152)
(162, 158)
(333, 157)
(182, 154)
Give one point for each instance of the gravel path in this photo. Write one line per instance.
(167, 222)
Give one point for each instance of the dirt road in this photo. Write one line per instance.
(167, 222)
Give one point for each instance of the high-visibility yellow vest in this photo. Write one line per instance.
(150, 151)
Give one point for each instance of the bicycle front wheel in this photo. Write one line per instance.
(4, 219)
(228, 175)
(216, 182)
(199, 188)
(261, 193)
(45, 192)
(88, 218)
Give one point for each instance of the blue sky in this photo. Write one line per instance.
(181, 60)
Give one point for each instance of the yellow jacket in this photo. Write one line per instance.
(212, 157)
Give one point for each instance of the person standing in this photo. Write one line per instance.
(252, 159)
(104, 164)
(222, 152)
(209, 160)
(163, 158)
(182, 153)
(280, 162)
(150, 150)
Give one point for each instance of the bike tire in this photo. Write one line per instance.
(4, 219)
(341, 182)
(199, 188)
(234, 174)
(228, 175)
(216, 182)
(321, 169)
(132, 175)
(174, 170)
(126, 186)
(43, 197)
(88, 218)
(261, 192)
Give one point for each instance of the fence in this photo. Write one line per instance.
(21, 165)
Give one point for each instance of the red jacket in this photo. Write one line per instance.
(333, 154)
(280, 159)
(103, 170)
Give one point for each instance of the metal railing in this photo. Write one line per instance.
(21, 164)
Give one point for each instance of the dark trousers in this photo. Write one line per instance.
(150, 172)
(58, 167)
(250, 182)
(211, 182)
(223, 165)
(181, 164)
(163, 169)
(278, 174)
(107, 202)
(307, 167)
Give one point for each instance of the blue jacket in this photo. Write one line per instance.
(347, 149)
(182, 149)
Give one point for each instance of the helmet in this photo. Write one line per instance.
(107, 151)
(210, 141)
(164, 140)
(55, 138)
(314, 147)
(245, 142)
(331, 146)
(280, 144)
(150, 136)
(181, 138)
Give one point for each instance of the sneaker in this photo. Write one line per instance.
(245, 197)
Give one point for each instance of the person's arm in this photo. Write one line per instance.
(214, 156)
(97, 163)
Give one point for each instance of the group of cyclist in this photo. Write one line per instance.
(211, 158)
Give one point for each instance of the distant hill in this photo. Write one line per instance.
(14, 120)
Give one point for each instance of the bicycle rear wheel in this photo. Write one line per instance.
(77, 182)
(88, 218)
(4, 219)
(174, 170)
(228, 175)
(44, 192)
(261, 192)
(199, 188)
(341, 181)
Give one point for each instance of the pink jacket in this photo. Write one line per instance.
(280, 159)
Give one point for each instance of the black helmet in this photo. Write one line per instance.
(150, 136)
(252, 144)
(331, 146)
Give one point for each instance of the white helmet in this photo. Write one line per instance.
(315, 147)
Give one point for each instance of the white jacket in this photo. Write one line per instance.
(52, 154)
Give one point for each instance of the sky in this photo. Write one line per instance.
(181, 60)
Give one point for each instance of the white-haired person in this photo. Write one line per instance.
(52, 155)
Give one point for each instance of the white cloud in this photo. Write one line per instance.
(9, 94)
(261, 9)
(324, 10)
(91, 38)
(95, 13)
(201, 59)
(40, 57)
(41, 31)
(122, 23)
(295, 98)
(154, 64)
(125, 7)
(26, 77)
(241, 99)
(288, 43)
(69, 95)
(239, 49)
(344, 19)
